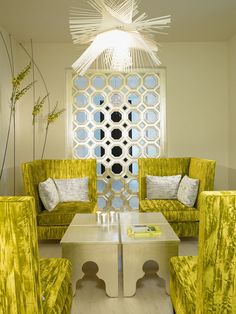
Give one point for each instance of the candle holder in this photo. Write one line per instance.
(112, 216)
(104, 218)
(98, 216)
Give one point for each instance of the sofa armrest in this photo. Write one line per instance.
(204, 170)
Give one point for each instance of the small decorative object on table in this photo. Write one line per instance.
(140, 231)
(98, 214)
(104, 218)
(112, 216)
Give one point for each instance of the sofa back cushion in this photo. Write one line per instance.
(40, 170)
(160, 167)
(162, 187)
(72, 190)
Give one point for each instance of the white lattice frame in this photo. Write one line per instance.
(69, 129)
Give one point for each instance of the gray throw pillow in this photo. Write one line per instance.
(188, 191)
(162, 187)
(72, 190)
(48, 194)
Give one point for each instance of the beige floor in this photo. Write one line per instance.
(150, 295)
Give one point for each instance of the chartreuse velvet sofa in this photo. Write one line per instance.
(183, 219)
(29, 285)
(53, 224)
(206, 283)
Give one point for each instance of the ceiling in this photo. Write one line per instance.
(192, 20)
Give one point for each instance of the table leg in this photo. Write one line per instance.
(134, 257)
(132, 270)
(108, 270)
(106, 258)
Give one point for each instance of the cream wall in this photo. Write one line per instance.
(197, 103)
(232, 113)
(6, 184)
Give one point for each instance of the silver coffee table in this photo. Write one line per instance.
(87, 240)
(135, 252)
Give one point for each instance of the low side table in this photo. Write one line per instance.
(135, 252)
(84, 241)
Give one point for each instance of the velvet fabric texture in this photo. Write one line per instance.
(28, 285)
(52, 225)
(55, 285)
(206, 284)
(175, 212)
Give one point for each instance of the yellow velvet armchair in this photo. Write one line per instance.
(53, 224)
(207, 284)
(28, 284)
(184, 220)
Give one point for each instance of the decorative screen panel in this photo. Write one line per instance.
(117, 119)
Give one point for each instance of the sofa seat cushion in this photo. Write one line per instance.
(55, 277)
(64, 213)
(173, 210)
(183, 270)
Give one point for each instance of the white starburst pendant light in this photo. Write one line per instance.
(119, 39)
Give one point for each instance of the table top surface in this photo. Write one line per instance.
(90, 220)
(84, 234)
(136, 218)
(167, 234)
(87, 228)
